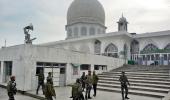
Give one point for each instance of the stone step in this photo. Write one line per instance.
(145, 73)
(134, 92)
(140, 84)
(151, 81)
(137, 73)
(153, 76)
(137, 78)
(137, 81)
(156, 71)
(151, 89)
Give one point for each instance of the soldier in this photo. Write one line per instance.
(83, 78)
(49, 90)
(77, 91)
(95, 80)
(88, 82)
(124, 81)
(49, 77)
(11, 88)
(40, 81)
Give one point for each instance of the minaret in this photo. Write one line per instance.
(122, 24)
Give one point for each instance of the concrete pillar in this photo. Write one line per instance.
(168, 59)
(69, 74)
(92, 67)
(146, 59)
(2, 72)
(140, 60)
(161, 59)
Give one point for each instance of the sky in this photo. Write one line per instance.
(49, 18)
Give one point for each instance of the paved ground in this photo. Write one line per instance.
(3, 96)
(63, 93)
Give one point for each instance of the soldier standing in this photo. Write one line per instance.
(83, 78)
(49, 77)
(124, 81)
(40, 81)
(49, 90)
(88, 85)
(95, 81)
(11, 88)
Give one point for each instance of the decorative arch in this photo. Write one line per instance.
(150, 48)
(167, 47)
(111, 50)
(97, 47)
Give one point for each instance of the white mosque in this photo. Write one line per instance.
(86, 47)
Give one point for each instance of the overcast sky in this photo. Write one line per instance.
(49, 17)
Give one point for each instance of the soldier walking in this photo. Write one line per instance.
(88, 85)
(95, 81)
(40, 81)
(11, 88)
(49, 90)
(124, 81)
(49, 77)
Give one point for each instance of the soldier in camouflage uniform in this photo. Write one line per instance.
(49, 77)
(40, 81)
(95, 80)
(49, 90)
(11, 88)
(88, 82)
(77, 91)
(83, 78)
(124, 81)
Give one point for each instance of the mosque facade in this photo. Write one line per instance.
(86, 47)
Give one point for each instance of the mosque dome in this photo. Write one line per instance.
(86, 11)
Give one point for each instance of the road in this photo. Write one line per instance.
(18, 96)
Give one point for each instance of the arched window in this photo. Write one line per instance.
(150, 48)
(98, 31)
(167, 47)
(97, 47)
(134, 47)
(83, 31)
(92, 31)
(75, 32)
(111, 50)
(69, 33)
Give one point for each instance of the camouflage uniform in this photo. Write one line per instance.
(83, 78)
(88, 85)
(77, 91)
(124, 81)
(49, 77)
(40, 82)
(94, 81)
(11, 89)
(49, 91)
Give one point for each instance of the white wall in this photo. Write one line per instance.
(24, 58)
